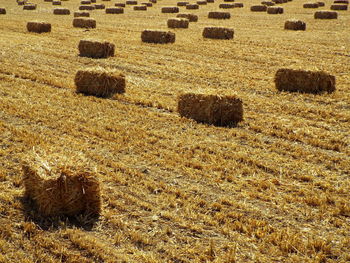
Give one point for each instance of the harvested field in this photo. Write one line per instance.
(273, 188)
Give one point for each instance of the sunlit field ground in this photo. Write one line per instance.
(276, 188)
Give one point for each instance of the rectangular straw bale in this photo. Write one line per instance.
(99, 6)
(201, 2)
(84, 22)
(140, 8)
(219, 15)
(46, 1)
(210, 1)
(238, 5)
(304, 81)
(29, 7)
(182, 3)
(321, 4)
(170, 9)
(2, 11)
(147, 4)
(226, 6)
(275, 10)
(192, 6)
(99, 82)
(229, 1)
(339, 7)
(85, 2)
(21, 2)
(114, 10)
(293, 24)
(258, 8)
(95, 49)
(81, 14)
(268, 3)
(178, 23)
(87, 7)
(211, 109)
(119, 5)
(326, 15)
(311, 5)
(341, 2)
(158, 37)
(61, 11)
(56, 3)
(38, 27)
(131, 2)
(218, 33)
(153, 1)
(190, 17)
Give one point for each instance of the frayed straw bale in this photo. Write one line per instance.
(311, 5)
(178, 23)
(147, 4)
(62, 191)
(190, 17)
(304, 81)
(192, 6)
(219, 15)
(158, 37)
(87, 7)
(85, 2)
(56, 3)
(238, 5)
(99, 6)
(81, 14)
(339, 7)
(61, 11)
(226, 6)
(321, 4)
(119, 5)
(99, 82)
(182, 3)
(84, 22)
(218, 33)
(201, 2)
(267, 3)
(326, 15)
(114, 10)
(293, 24)
(96, 49)
(275, 10)
(211, 109)
(258, 8)
(29, 7)
(131, 2)
(140, 8)
(170, 9)
(38, 27)
(2, 11)
(341, 2)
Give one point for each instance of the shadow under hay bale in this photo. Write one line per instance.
(84, 22)
(38, 27)
(157, 37)
(311, 5)
(140, 8)
(63, 191)
(326, 15)
(177, 23)
(293, 24)
(114, 10)
(192, 6)
(29, 7)
(304, 81)
(87, 7)
(190, 17)
(275, 10)
(61, 11)
(81, 14)
(211, 109)
(95, 49)
(2, 11)
(226, 6)
(170, 9)
(99, 82)
(258, 8)
(218, 33)
(339, 7)
(219, 15)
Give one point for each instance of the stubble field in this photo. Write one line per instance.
(276, 188)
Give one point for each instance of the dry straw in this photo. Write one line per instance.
(192, 6)
(2, 11)
(339, 7)
(29, 7)
(275, 10)
(267, 3)
(21, 2)
(182, 3)
(38, 27)
(326, 15)
(304, 81)
(178, 23)
(96, 49)
(56, 3)
(211, 109)
(119, 4)
(158, 37)
(140, 8)
(99, 82)
(218, 33)
(190, 17)
(311, 5)
(341, 2)
(84, 22)
(293, 24)
(219, 15)
(170, 9)
(81, 14)
(114, 10)
(321, 3)
(147, 4)
(210, 1)
(226, 6)
(258, 8)
(61, 11)
(87, 7)
(99, 6)
(201, 2)
(238, 5)
(85, 2)
(131, 2)
(153, 1)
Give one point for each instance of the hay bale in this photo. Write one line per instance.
(62, 191)
(81, 14)
(201, 2)
(158, 37)
(339, 7)
(99, 82)
(211, 109)
(267, 3)
(153, 1)
(341, 2)
(131, 2)
(293, 24)
(29, 7)
(192, 6)
(326, 15)
(38, 27)
(178, 23)
(229, 1)
(210, 1)
(95, 49)
(170, 9)
(140, 8)
(85, 2)
(2, 11)
(99, 6)
(86, 7)
(219, 15)
(321, 4)
(61, 11)
(238, 5)
(119, 5)
(46, 1)
(275, 10)
(311, 5)
(182, 3)
(84, 22)
(226, 6)
(304, 81)
(115, 10)
(190, 17)
(147, 4)
(92, 1)
(218, 33)
(21, 2)
(258, 8)
(56, 3)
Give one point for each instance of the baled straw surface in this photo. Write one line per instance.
(87, 7)
(100, 6)
(182, 3)
(21, 3)
(293, 24)
(114, 10)
(170, 9)
(275, 10)
(158, 37)
(148, 4)
(219, 15)
(61, 11)
(178, 23)
(85, 2)
(81, 14)
(218, 33)
(311, 5)
(140, 8)
(258, 8)
(84, 22)
(56, 3)
(267, 3)
(321, 3)
(190, 17)
(341, 2)
(95, 49)
(226, 6)
(201, 2)
(326, 15)
(2, 11)
(304, 81)
(192, 6)
(131, 2)
(29, 7)
(119, 4)
(211, 109)
(238, 5)
(38, 27)
(99, 82)
(339, 7)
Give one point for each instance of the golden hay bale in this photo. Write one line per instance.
(38, 27)
(29, 7)
(81, 14)
(84, 22)
(56, 3)
(85, 2)
(140, 8)
(211, 109)
(182, 3)
(64, 191)
(178, 23)
(99, 6)
(92, 1)
(339, 7)
(158, 37)
(311, 5)
(192, 6)
(321, 3)
(267, 3)
(147, 4)
(326, 15)
(131, 2)
(153, 1)
(341, 2)
(99, 82)
(210, 1)
(114, 10)
(21, 2)
(119, 5)
(201, 2)
(218, 33)
(275, 10)
(229, 0)
(258, 8)
(219, 15)
(86, 7)
(304, 81)
(95, 49)
(61, 11)
(48, 0)
(238, 5)
(170, 9)
(2, 11)
(293, 24)
(190, 17)
(226, 6)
